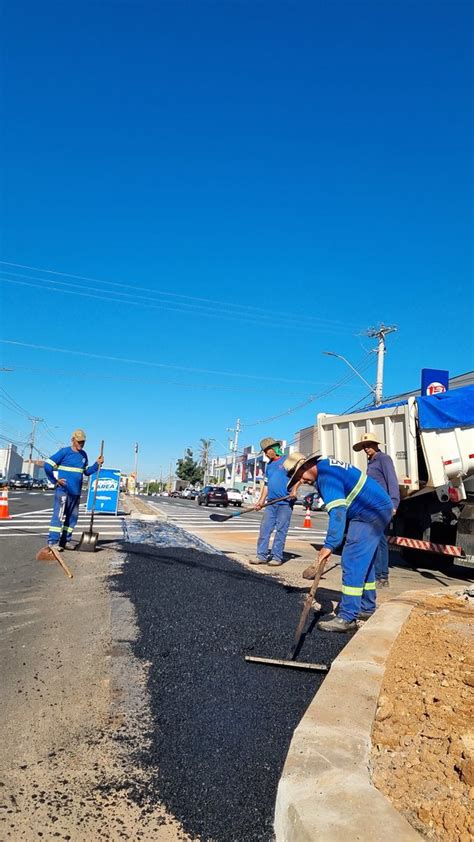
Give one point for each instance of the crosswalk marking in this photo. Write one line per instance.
(23, 524)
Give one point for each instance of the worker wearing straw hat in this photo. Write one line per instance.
(380, 467)
(353, 498)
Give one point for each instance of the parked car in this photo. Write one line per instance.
(39, 483)
(175, 494)
(192, 493)
(234, 496)
(21, 481)
(313, 502)
(213, 494)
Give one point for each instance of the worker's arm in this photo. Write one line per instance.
(262, 498)
(92, 469)
(52, 464)
(393, 489)
(334, 496)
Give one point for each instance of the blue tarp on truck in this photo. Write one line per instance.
(447, 409)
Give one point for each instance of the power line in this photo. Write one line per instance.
(311, 398)
(249, 318)
(148, 363)
(245, 308)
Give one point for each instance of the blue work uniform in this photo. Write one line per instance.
(353, 498)
(276, 517)
(70, 465)
(380, 468)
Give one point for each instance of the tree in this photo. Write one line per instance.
(189, 470)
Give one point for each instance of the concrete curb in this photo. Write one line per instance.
(140, 507)
(325, 791)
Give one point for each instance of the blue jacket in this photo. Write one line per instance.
(71, 465)
(348, 494)
(381, 469)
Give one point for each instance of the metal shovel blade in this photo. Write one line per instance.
(88, 542)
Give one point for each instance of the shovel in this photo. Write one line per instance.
(222, 518)
(88, 542)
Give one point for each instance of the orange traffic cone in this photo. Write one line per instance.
(4, 513)
(307, 520)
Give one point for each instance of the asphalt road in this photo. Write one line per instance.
(221, 727)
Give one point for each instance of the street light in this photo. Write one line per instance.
(333, 354)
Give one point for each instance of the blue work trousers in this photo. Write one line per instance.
(381, 557)
(276, 518)
(358, 562)
(64, 519)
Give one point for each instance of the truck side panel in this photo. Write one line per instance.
(395, 426)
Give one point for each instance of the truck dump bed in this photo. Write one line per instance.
(430, 439)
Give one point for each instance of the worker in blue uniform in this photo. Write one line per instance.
(354, 499)
(277, 517)
(71, 465)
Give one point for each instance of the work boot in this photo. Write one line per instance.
(310, 572)
(275, 562)
(365, 615)
(383, 583)
(337, 624)
(258, 560)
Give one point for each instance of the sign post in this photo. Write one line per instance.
(107, 491)
(434, 381)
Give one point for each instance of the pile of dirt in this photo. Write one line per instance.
(423, 737)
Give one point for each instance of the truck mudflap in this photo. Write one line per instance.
(429, 546)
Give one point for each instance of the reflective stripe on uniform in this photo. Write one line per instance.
(55, 529)
(50, 462)
(70, 529)
(356, 490)
(346, 589)
(334, 503)
(76, 470)
(369, 586)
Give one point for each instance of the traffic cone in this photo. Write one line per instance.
(4, 513)
(307, 520)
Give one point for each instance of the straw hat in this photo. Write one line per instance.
(79, 435)
(366, 438)
(269, 442)
(296, 464)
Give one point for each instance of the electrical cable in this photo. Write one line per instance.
(220, 304)
(248, 318)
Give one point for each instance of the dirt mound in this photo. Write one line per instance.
(423, 735)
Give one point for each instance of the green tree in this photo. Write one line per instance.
(189, 470)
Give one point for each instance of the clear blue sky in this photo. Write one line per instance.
(306, 165)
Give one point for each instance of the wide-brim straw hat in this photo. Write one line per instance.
(366, 438)
(296, 464)
(269, 442)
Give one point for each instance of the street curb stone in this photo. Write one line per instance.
(325, 792)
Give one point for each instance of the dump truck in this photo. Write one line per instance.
(431, 442)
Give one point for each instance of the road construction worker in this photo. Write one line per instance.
(71, 464)
(381, 468)
(277, 517)
(350, 497)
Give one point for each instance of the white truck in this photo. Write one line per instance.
(431, 442)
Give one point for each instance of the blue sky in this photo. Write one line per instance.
(265, 180)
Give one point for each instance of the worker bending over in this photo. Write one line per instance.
(71, 464)
(353, 498)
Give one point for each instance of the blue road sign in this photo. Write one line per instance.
(107, 491)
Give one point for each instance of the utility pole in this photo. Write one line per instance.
(171, 474)
(234, 445)
(34, 422)
(161, 478)
(135, 469)
(380, 334)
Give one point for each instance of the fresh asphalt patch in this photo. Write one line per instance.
(221, 726)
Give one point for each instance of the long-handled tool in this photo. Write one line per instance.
(221, 518)
(88, 541)
(49, 553)
(288, 661)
